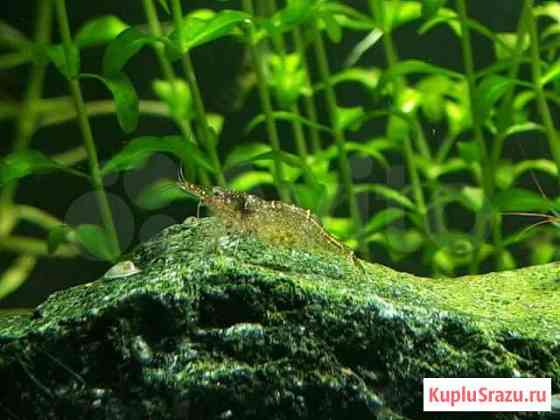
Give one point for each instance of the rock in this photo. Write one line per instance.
(216, 326)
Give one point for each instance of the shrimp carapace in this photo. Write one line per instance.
(274, 222)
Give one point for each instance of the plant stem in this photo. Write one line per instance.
(155, 29)
(27, 120)
(11, 60)
(266, 103)
(505, 116)
(297, 127)
(26, 123)
(36, 247)
(391, 55)
(343, 162)
(487, 166)
(188, 69)
(544, 110)
(37, 216)
(85, 128)
(169, 75)
(308, 102)
(471, 81)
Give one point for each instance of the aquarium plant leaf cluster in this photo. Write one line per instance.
(455, 155)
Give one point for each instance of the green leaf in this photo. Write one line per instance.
(406, 67)
(95, 240)
(57, 236)
(509, 39)
(403, 241)
(433, 170)
(244, 153)
(543, 165)
(295, 13)
(431, 7)
(138, 150)
(551, 74)
(472, 198)
(99, 31)
(15, 59)
(287, 78)
(164, 6)
(381, 219)
(310, 196)
(433, 95)
(346, 16)
(458, 245)
(177, 95)
(506, 261)
(370, 149)
(198, 31)
(397, 128)
(369, 78)
(549, 9)
(524, 127)
(504, 175)
(490, 90)
(443, 15)
(351, 118)
(69, 66)
(398, 13)
(286, 116)
(551, 31)
(334, 31)
(251, 179)
(543, 253)
(458, 116)
(16, 274)
(127, 44)
(160, 194)
(20, 164)
(443, 262)
(469, 151)
(518, 199)
(341, 227)
(124, 96)
(407, 102)
(11, 37)
(216, 123)
(290, 159)
(386, 192)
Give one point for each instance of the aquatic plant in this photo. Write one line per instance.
(446, 130)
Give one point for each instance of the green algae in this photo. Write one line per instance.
(215, 325)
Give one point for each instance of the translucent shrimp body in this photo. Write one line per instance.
(273, 222)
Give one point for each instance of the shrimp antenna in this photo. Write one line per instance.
(202, 192)
(534, 177)
(534, 225)
(521, 213)
(180, 175)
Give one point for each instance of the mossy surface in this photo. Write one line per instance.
(218, 326)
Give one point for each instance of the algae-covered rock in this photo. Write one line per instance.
(200, 324)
